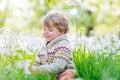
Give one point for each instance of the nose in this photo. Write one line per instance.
(45, 32)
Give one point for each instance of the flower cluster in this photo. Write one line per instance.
(12, 41)
(110, 43)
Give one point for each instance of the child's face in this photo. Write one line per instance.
(50, 33)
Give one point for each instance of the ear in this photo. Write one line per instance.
(63, 32)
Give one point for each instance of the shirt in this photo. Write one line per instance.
(55, 56)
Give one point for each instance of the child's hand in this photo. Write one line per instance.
(68, 74)
(66, 77)
(33, 68)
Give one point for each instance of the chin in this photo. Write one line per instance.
(47, 40)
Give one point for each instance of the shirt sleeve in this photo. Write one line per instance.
(57, 66)
(41, 53)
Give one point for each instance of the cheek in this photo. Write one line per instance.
(55, 35)
(43, 32)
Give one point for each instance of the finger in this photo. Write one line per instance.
(63, 78)
(63, 74)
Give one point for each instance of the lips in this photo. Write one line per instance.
(47, 38)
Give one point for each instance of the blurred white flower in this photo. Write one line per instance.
(73, 11)
(5, 51)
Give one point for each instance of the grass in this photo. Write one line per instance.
(10, 71)
(94, 66)
(89, 66)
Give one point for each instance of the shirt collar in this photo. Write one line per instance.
(57, 39)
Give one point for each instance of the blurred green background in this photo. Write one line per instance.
(99, 16)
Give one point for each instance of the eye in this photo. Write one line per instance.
(50, 30)
(44, 29)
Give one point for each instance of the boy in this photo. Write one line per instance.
(55, 53)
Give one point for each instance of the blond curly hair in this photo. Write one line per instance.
(60, 21)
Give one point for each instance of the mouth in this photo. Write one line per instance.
(47, 37)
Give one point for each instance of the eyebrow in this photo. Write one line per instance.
(48, 27)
